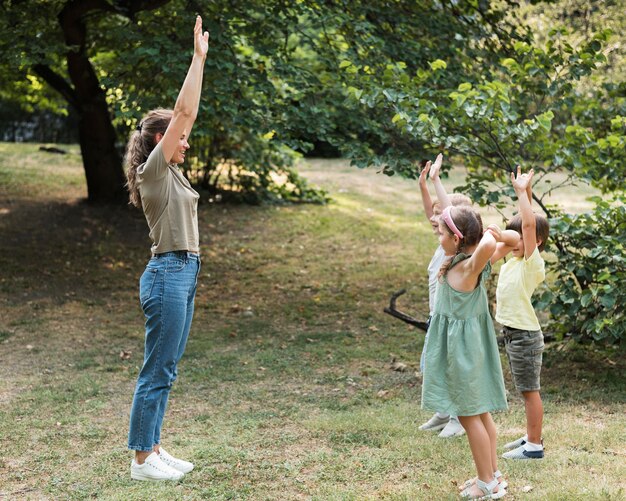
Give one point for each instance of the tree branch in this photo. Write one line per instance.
(58, 83)
(130, 8)
(391, 310)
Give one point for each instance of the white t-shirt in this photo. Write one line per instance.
(433, 270)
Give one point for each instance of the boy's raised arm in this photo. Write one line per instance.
(521, 185)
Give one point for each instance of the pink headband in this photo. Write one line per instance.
(449, 222)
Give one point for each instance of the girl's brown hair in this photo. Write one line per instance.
(470, 224)
(141, 143)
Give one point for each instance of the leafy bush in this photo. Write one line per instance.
(587, 298)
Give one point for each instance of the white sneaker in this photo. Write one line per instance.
(452, 429)
(522, 453)
(177, 464)
(154, 469)
(435, 423)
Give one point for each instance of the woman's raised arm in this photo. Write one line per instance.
(188, 101)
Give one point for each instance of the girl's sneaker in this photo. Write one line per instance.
(435, 423)
(452, 429)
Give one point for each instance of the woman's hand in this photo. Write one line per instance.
(436, 167)
(521, 182)
(200, 41)
(424, 173)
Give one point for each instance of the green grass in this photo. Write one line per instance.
(285, 391)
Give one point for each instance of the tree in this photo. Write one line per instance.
(51, 40)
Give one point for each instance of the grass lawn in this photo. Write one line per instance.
(286, 390)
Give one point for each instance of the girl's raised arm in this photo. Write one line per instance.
(507, 240)
(442, 196)
(427, 202)
(481, 256)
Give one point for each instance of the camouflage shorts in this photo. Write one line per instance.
(524, 350)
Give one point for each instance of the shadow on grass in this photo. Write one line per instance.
(59, 251)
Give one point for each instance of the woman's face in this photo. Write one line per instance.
(179, 153)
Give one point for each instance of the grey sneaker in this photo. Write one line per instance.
(435, 423)
(515, 444)
(452, 429)
(521, 453)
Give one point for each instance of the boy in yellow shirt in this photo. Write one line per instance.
(518, 279)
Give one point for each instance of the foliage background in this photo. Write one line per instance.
(490, 84)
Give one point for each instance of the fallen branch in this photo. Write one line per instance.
(394, 312)
(52, 149)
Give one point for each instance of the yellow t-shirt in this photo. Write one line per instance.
(519, 277)
(169, 203)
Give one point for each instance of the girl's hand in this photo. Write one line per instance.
(424, 173)
(434, 170)
(200, 41)
(495, 230)
(521, 182)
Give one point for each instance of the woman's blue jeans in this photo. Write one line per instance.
(167, 290)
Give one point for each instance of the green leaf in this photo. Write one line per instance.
(545, 120)
(509, 62)
(438, 64)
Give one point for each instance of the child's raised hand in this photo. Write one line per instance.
(495, 230)
(436, 167)
(521, 182)
(424, 173)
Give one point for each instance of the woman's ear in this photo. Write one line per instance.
(158, 136)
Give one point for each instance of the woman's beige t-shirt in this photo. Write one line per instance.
(169, 203)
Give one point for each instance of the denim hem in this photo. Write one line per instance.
(139, 448)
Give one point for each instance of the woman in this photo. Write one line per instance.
(168, 285)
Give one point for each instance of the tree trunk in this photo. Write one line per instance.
(102, 162)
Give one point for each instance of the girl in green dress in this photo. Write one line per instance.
(463, 375)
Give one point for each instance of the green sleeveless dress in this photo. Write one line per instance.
(462, 370)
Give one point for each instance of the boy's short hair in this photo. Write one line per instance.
(542, 228)
(456, 199)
